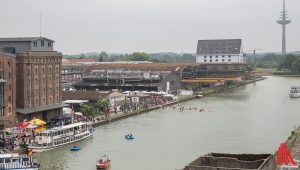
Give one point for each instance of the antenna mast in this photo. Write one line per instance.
(40, 24)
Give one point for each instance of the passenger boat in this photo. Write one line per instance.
(103, 162)
(59, 136)
(295, 91)
(14, 161)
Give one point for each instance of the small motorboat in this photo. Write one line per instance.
(199, 95)
(103, 162)
(129, 137)
(75, 148)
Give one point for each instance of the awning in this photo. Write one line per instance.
(41, 108)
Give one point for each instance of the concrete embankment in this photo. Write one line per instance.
(206, 92)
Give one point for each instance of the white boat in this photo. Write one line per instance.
(59, 136)
(14, 161)
(295, 91)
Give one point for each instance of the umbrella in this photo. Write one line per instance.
(37, 122)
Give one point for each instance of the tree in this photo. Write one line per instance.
(103, 55)
(138, 56)
(87, 110)
(102, 106)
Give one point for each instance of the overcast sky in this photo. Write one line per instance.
(125, 26)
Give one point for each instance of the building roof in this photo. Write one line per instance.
(89, 95)
(221, 46)
(42, 108)
(23, 39)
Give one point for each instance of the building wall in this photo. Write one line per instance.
(7, 90)
(220, 58)
(39, 79)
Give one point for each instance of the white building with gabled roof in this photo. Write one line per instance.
(220, 51)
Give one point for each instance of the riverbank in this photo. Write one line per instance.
(206, 92)
(287, 75)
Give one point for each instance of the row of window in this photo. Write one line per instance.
(43, 60)
(36, 103)
(223, 60)
(36, 82)
(43, 70)
(35, 44)
(217, 56)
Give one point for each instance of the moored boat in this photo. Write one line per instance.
(103, 162)
(59, 136)
(295, 91)
(14, 161)
(199, 95)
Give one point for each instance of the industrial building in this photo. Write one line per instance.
(8, 115)
(38, 77)
(220, 51)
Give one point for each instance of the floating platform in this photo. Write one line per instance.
(223, 161)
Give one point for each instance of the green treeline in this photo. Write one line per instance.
(138, 56)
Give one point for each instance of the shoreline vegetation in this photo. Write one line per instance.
(206, 92)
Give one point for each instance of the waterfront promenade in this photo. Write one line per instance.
(101, 120)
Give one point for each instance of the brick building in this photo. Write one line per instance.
(7, 90)
(38, 77)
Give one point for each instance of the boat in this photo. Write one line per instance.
(14, 161)
(199, 95)
(295, 91)
(75, 148)
(59, 136)
(129, 137)
(103, 162)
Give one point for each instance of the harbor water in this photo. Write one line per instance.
(254, 118)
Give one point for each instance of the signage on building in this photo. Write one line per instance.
(135, 99)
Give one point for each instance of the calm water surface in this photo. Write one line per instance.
(251, 119)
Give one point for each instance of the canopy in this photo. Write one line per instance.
(37, 122)
(78, 114)
(284, 158)
(26, 125)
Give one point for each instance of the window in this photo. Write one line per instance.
(49, 44)
(9, 87)
(9, 109)
(9, 98)
(35, 44)
(36, 70)
(44, 91)
(50, 70)
(223, 56)
(44, 101)
(229, 59)
(8, 64)
(9, 75)
(204, 60)
(204, 56)
(210, 56)
(216, 60)
(36, 92)
(56, 79)
(217, 56)
(229, 56)
(36, 81)
(42, 43)
(210, 60)
(43, 70)
(223, 60)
